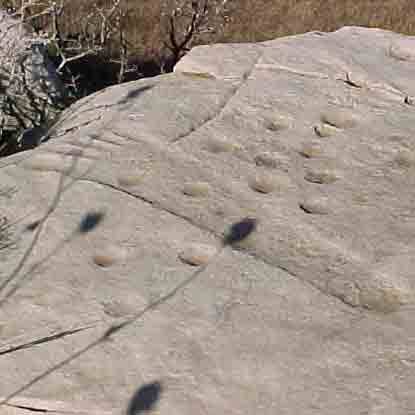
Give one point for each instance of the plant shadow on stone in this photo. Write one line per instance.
(15, 279)
(145, 398)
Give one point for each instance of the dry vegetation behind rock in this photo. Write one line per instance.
(246, 20)
(257, 20)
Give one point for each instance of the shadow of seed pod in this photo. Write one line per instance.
(240, 230)
(145, 398)
(90, 221)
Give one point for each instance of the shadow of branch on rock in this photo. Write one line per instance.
(37, 227)
(237, 233)
(89, 221)
(67, 179)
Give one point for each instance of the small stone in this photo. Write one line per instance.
(277, 123)
(108, 256)
(402, 50)
(275, 126)
(310, 150)
(272, 160)
(217, 145)
(197, 254)
(405, 159)
(128, 180)
(315, 205)
(45, 162)
(104, 260)
(385, 299)
(115, 309)
(325, 130)
(324, 176)
(263, 183)
(360, 199)
(196, 189)
(339, 117)
(390, 285)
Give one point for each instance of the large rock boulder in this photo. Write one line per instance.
(121, 273)
(31, 93)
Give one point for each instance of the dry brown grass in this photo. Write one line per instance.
(266, 19)
(256, 20)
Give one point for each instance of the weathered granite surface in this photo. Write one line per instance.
(312, 313)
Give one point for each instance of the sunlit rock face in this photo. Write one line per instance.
(240, 231)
